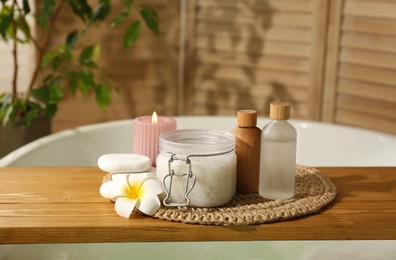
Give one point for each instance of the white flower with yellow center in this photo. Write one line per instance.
(128, 191)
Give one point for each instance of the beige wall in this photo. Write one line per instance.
(25, 64)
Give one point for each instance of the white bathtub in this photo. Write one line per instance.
(318, 145)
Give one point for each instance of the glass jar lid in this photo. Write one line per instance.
(197, 142)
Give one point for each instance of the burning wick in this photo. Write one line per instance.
(154, 118)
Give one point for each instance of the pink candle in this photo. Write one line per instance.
(147, 130)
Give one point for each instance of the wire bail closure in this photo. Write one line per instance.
(188, 187)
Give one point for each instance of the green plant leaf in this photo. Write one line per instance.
(21, 105)
(73, 78)
(7, 110)
(119, 19)
(86, 56)
(56, 62)
(57, 59)
(71, 39)
(96, 53)
(56, 92)
(101, 11)
(65, 54)
(127, 3)
(47, 59)
(5, 99)
(81, 8)
(102, 95)
(86, 53)
(122, 17)
(5, 22)
(8, 114)
(26, 7)
(85, 81)
(132, 34)
(41, 94)
(30, 115)
(47, 9)
(50, 93)
(20, 110)
(50, 110)
(151, 18)
(24, 27)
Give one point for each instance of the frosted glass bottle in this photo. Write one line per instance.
(278, 154)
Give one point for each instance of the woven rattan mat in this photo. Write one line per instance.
(313, 192)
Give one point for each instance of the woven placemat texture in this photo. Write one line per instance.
(313, 192)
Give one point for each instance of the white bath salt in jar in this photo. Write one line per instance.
(197, 167)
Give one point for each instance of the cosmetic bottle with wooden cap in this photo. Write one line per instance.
(247, 149)
(278, 154)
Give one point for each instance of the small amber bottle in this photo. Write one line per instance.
(247, 149)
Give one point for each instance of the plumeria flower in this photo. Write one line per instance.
(128, 191)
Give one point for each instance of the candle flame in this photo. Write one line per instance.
(154, 118)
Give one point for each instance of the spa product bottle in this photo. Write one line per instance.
(278, 154)
(248, 151)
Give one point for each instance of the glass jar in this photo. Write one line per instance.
(197, 167)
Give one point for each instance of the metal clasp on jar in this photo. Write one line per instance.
(189, 182)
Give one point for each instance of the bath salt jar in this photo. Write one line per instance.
(197, 167)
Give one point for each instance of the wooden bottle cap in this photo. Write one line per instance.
(280, 111)
(247, 118)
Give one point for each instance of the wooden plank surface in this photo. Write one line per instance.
(63, 205)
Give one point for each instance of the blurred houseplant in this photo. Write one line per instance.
(65, 66)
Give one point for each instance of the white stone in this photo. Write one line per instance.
(120, 175)
(122, 163)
